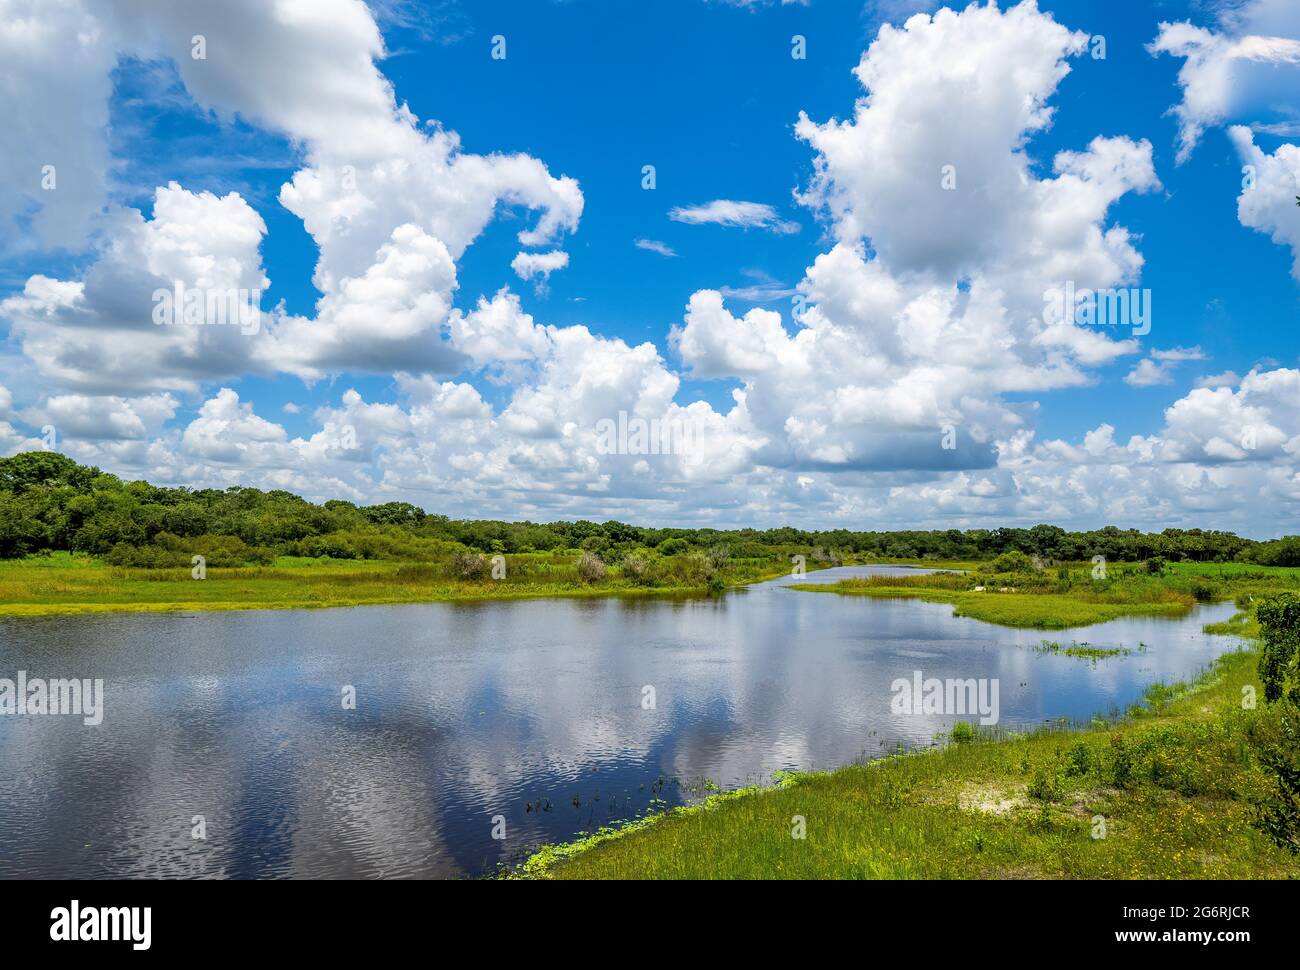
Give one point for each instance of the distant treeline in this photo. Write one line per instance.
(49, 502)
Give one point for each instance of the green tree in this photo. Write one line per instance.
(673, 547)
(20, 531)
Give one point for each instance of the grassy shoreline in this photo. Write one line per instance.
(1069, 596)
(1174, 783)
(1045, 612)
(68, 585)
(1170, 781)
(63, 584)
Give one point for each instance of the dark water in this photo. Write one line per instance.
(469, 711)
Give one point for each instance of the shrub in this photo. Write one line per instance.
(1156, 565)
(1079, 760)
(1276, 736)
(963, 732)
(638, 568)
(144, 557)
(469, 565)
(1046, 785)
(1014, 561)
(1121, 762)
(718, 556)
(673, 547)
(334, 546)
(694, 569)
(1279, 659)
(222, 551)
(170, 552)
(591, 569)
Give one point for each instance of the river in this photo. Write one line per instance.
(528, 719)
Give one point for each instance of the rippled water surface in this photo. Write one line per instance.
(530, 710)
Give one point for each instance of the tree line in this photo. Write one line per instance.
(49, 502)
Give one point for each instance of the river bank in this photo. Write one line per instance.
(535, 711)
(63, 584)
(1168, 789)
(1072, 595)
(1167, 792)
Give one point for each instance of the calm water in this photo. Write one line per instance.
(469, 711)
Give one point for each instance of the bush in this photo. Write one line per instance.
(1279, 659)
(824, 558)
(469, 565)
(1276, 736)
(1156, 565)
(1046, 785)
(172, 552)
(226, 551)
(963, 732)
(1276, 732)
(693, 570)
(145, 557)
(1079, 760)
(591, 569)
(638, 568)
(1014, 561)
(1121, 762)
(673, 547)
(334, 546)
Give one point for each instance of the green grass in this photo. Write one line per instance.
(67, 584)
(1039, 611)
(1173, 784)
(1241, 624)
(1062, 597)
(62, 583)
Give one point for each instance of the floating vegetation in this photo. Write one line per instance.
(1086, 650)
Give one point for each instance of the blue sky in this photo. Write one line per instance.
(707, 93)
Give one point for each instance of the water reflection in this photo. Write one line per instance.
(530, 710)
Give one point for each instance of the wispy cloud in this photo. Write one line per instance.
(654, 246)
(1159, 367)
(728, 212)
(1227, 379)
(1174, 354)
(756, 4)
(764, 289)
